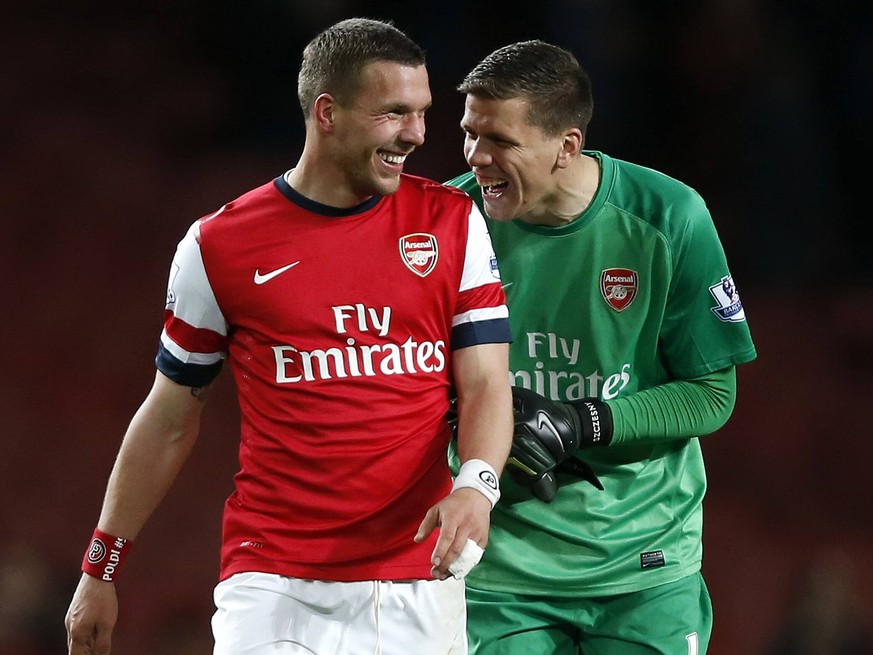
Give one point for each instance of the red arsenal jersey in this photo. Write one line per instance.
(339, 326)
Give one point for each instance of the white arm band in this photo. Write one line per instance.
(481, 476)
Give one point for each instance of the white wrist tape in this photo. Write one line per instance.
(466, 560)
(481, 476)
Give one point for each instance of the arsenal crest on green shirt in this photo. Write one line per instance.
(619, 287)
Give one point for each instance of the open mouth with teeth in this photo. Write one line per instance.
(389, 158)
(494, 190)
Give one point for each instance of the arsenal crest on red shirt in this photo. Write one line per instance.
(419, 252)
(619, 287)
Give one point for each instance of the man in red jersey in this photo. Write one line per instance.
(348, 297)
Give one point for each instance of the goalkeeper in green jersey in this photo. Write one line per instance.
(627, 329)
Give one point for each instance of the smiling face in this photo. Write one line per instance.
(514, 161)
(379, 127)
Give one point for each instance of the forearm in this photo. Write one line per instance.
(485, 432)
(481, 378)
(675, 410)
(157, 443)
(484, 405)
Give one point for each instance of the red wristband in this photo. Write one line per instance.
(105, 555)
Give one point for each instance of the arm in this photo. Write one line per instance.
(155, 446)
(484, 433)
(679, 409)
(675, 410)
(484, 403)
(548, 433)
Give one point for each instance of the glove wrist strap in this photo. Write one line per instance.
(481, 476)
(595, 422)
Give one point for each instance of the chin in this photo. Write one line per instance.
(378, 187)
(497, 214)
(387, 187)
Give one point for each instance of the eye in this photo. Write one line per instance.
(503, 143)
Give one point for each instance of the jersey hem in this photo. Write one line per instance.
(587, 591)
(332, 574)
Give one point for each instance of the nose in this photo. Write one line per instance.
(475, 154)
(413, 130)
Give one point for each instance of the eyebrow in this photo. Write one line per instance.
(404, 108)
(492, 135)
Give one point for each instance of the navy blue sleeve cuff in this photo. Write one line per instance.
(472, 334)
(188, 375)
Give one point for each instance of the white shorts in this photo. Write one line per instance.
(263, 613)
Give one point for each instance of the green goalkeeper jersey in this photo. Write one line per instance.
(634, 293)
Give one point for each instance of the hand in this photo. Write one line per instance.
(546, 435)
(91, 617)
(463, 514)
(532, 465)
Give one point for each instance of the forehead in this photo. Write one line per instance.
(485, 114)
(386, 83)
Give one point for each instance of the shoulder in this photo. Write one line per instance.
(433, 194)
(247, 206)
(651, 195)
(651, 182)
(426, 185)
(465, 181)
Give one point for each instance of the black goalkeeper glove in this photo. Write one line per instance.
(452, 414)
(546, 435)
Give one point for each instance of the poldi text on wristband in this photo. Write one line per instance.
(105, 555)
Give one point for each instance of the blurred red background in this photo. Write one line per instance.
(124, 123)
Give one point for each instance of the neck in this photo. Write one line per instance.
(575, 189)
(322, 183)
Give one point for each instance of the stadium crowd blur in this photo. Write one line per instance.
(125, 121)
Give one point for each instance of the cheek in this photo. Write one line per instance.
(385, 131)
(534, 172)
(362, 134)
(528, 183)
(469, 153)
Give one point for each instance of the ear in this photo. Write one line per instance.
(323, 112)
(571, 146)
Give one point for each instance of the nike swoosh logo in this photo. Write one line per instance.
(266, 277)
(545, 421)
